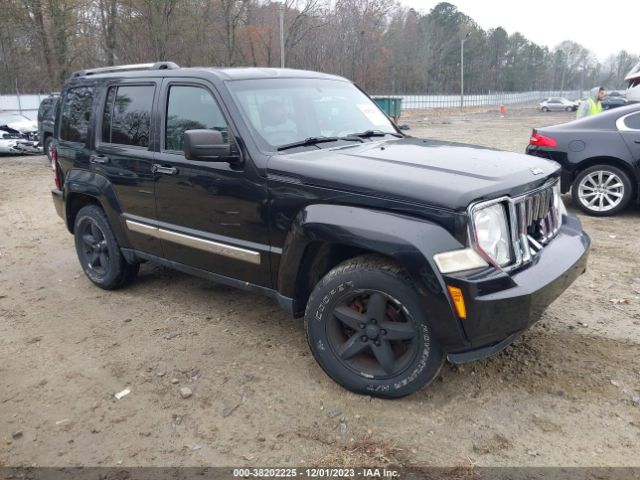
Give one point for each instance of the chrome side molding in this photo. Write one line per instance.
(217, 248)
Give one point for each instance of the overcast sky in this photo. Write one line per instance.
(605, 28)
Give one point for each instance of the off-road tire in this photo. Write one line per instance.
(372, 275)
(46, 146)
(99, 252)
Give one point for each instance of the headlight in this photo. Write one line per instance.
(492, 233)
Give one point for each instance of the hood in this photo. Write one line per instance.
(443, 174)
(19, 123)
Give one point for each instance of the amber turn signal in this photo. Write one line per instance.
(458, 301)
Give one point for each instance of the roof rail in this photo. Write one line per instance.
(123, 68)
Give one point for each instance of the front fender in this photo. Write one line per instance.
(409, 241)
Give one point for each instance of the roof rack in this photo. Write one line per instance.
(123, 68)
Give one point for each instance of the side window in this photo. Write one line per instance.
(191, 108)
(127, 115)
(76, 113)
(633, 121)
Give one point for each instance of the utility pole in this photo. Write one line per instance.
(282, 35)
(462, 68)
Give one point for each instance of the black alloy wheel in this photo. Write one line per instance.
(367, 328)
(370, 334)
(94, 251)
(98, 250)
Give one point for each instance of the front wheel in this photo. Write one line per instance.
(99, 252)
(545, 109)
(601, 190)
(368, 330)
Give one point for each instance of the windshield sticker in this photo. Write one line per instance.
(374, 115)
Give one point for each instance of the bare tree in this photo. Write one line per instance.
(108, 13)
(379, 44)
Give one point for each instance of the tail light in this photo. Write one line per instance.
(57, 180)
(542, 140)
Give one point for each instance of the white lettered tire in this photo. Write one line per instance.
(368, 329)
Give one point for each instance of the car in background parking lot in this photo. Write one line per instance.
(557, 104)
(633, 84)
(46, 119)
(600, 158)
(18, 134)
(613, 99)
(9, 142)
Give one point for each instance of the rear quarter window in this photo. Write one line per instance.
(76, 114)
(633, 121)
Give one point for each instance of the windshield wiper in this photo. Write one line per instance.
(373, 133)
(307, 142)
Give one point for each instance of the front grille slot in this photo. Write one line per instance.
(534, 222)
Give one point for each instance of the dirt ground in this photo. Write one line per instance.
(566, 393)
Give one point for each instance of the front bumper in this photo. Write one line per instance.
(500, 306)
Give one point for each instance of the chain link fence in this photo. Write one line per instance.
(416, 102)
(27, 105)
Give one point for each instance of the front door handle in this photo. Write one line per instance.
(166, 170)
(99, 159)
(636, 141)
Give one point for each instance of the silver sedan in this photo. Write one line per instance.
(556, 104)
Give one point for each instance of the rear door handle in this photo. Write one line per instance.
(636, 141)
(99, 159)
(166, 170)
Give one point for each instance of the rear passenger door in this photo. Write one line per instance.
(212, 215)
(124, 154)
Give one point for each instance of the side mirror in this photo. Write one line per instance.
(404, 127)
(207, 145)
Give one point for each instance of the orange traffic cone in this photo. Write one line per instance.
(503, 110)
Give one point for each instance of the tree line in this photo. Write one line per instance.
(381, 45)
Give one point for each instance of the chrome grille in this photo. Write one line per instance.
(534, 221)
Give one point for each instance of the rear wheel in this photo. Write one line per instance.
(47, 146)
(368, 330)
(569, 109)
(98, 250)
(601, 190)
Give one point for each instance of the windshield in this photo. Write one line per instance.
(282, 112)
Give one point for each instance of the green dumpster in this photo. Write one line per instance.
(392, 106)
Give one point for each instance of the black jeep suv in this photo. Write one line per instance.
(399, 252)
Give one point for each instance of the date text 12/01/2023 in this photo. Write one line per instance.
(315, 473)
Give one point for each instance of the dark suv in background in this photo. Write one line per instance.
(614, 99)
(46, 120)
(399, 252)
